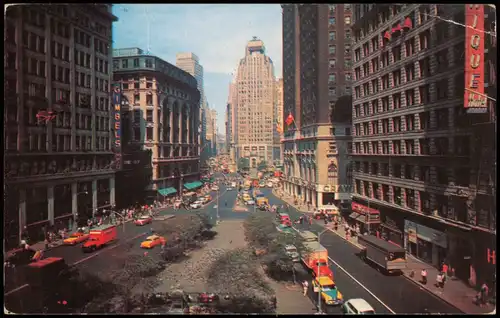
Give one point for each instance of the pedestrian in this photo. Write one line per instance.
(444, 269)
(347, 235)
(483, 294)
(310, 220)
(46, 242)
(305, 287)
(423, 273)
(336, 226)
(439, 280)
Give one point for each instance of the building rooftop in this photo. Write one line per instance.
(138, 61)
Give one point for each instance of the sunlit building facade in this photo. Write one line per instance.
(316, 73)
(163, 105)
(255, 94)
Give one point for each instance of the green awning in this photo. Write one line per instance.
(167, 191)
(192, 185)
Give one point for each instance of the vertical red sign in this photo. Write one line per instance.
(475, 100)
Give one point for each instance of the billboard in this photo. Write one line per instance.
(474, 95)
(117, 100)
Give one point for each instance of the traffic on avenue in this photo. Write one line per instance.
(354, 277)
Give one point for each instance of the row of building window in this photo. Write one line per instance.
(395, 147)
(37, 142)
(332, 22)
(458, 176)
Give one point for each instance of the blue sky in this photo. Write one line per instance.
(217, 33)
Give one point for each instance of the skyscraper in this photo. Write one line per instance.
(255, 104)
(189, 62)
(316, 72)
(278, 118)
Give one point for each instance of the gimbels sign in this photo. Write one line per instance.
(474, 98)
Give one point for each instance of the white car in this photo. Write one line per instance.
(269, 184)
(250, 202)
(291, 251)
(229, 189)
(357, 306)
(196, 205)
(215, 188)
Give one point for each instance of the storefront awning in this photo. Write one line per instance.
(167, 191)
(357, 217)
(192, 185)
(374, 219)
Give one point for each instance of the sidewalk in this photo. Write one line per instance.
(456, 292)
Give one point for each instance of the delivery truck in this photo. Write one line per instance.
(389, 257)
(316, 259)
(100, 237)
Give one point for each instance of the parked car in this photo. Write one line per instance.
(196, 205)
(357, 306)
(215, 188)
(76, 238)
(269, 184)
(143, 220)
(292, 252)
(152, 241)
(250, 202)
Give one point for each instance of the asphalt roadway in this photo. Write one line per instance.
(356, 279)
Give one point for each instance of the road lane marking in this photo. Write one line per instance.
(355, 280)
(106, 249)
(363, 286)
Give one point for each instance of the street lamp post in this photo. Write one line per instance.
(122, 216)
(319, 285)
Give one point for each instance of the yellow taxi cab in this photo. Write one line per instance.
(76, 238)
(329, 292)
(152, 241)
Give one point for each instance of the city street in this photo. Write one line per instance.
(127, 233)
(354, 278)
(357, 279)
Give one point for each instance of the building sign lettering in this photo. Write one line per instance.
(474, 94)
(361, 209)
(117, 125)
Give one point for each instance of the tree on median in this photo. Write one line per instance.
(260, 229)
(235, 274)
(132, 274)
(262, 234)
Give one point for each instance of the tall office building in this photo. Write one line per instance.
(255, 104)
(233, 103)
(59, 160)
(421, 175)
(278, 121)
(162, 103)
(316, 72)
(214, 131)
(189, 62)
